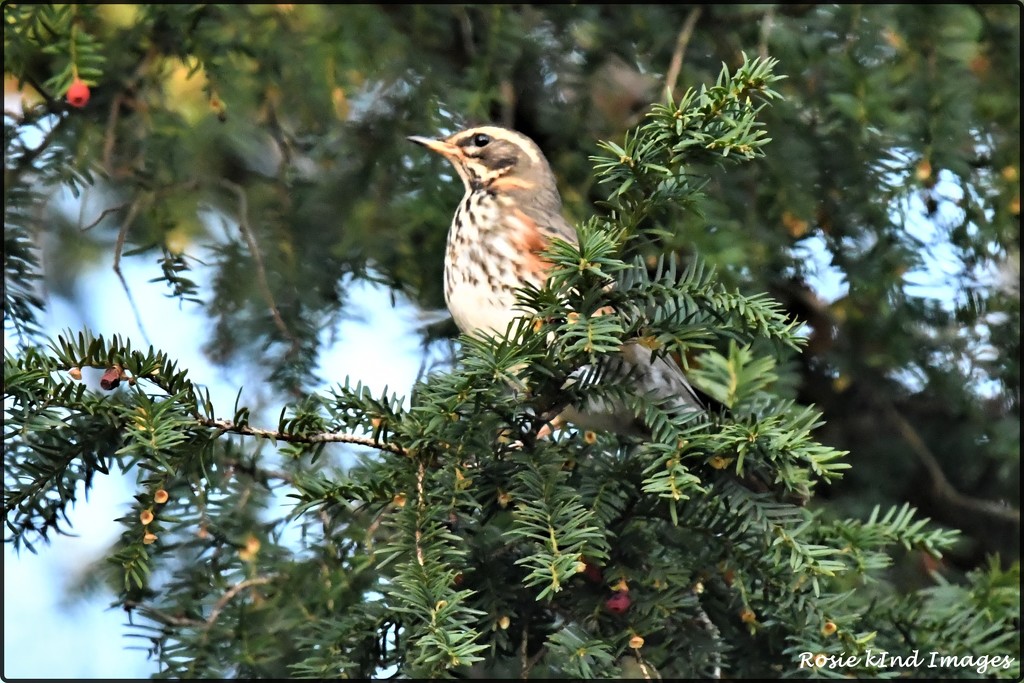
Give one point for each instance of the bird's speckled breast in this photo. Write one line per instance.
(482, 264)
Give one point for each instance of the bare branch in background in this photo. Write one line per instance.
(122, 235)
(257, 257)
(676, 64)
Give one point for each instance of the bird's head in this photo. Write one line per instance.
(494, 159)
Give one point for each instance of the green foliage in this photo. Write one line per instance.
(713, 124)
(54, 33)
(548, 512)
(253, 155)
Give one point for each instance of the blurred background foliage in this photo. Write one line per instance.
(256, 157)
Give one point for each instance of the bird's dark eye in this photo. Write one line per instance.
(481, 140)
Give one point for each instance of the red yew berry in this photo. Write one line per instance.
(592, 572)
(78, 93)
(111, 378)
(618, 603)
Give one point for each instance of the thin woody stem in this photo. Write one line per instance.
(420, 503)
(319, 437)
(257, 257)
(676, 63)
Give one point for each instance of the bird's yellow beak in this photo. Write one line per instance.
(445, 149)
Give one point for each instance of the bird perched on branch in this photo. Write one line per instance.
(509, 214)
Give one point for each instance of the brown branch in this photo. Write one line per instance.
(103, 214)
(524, 672)
(371, 530)
(219, 606)
(320, 437)
(420, 505)
(257, 256)
(945, 494)
(466, 31)
(246, 430)
(712, 630)
(53, 106)
(529, 662)
(532, 662)
(110, 133)
(120, 98)
(508, 102)
(122, 235)
(676, 63)
(767, 23)
(259, 472)
(162, 617)
(643, 665)
(26, 160)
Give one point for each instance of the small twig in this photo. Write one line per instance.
(466, 31)
(26, 160)
(643, 665)
(318, 437)
(53, 105)
(161, 616)
(254, 471)
(120, 98)
(524, 668)
(321, 437)
(371, 530)
(103, 214)
(280, 138)
(767, 22)
(537, 656)
(705, 623)
(420, 504)
(508, 102)
(257, 256)
(945, 493)
(109, 134)
(676, 63)
(219, 606)
(529, 663)
(122, 235)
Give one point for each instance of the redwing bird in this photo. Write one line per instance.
(509, 214)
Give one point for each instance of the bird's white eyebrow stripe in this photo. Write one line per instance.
(516, 139)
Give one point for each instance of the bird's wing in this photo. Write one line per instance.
(656, 377)
(662, 377)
